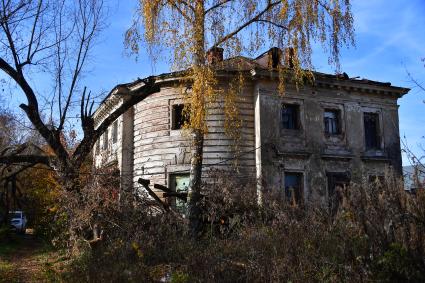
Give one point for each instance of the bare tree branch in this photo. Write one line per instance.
(273, 23)
(255, 18)
(212, 8)
(183, 13)
(30, 159)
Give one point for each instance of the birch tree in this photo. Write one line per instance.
(190, 28)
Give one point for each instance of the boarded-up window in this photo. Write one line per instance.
(294, 187)
(115, 132)
(105, 140)
(331, 120)
(290, 116)
(179, 117)
(371, 128)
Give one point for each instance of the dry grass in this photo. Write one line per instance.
(377, 235)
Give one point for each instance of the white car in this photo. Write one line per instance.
(18, 220)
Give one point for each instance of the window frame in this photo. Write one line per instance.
(173, 120)
(172, 186)
(105, 139)
(97, 147)
(300, 175)
(338, 121)
(334, 178)
(378, 144)
(114, 132)
(296, 116)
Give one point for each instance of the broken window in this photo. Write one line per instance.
(337, 182)
(371, 128)
(290, 114)
(115, 132)
(293, 187)
(180, 184)
(105, 140)
(179, 117)
(331, 121)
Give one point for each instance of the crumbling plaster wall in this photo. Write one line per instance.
(309, 151)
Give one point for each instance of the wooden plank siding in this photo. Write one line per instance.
(160, 151)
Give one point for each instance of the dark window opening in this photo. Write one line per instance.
(115, 132)
(371, 128)
(294, 187)
(290, 114)
(337, 182)
(179, 117)
(105, 140)
(331, 119)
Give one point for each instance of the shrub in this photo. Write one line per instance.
(377, 234)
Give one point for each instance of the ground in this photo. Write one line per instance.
(23, 258)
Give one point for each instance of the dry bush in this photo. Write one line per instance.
(377, 235)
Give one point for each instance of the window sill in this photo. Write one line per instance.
(291, 132)
(176, 132)
(374, 153)
(335, 140)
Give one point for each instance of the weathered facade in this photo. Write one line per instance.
(307, 142)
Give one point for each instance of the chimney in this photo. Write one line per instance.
(275, 56)
(289, 57)
(215, 55)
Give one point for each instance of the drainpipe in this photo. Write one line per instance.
(257, 115)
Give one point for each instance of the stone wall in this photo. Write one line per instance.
(312, 153)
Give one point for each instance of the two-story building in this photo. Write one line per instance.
(305, 142)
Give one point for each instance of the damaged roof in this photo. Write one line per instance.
(256, 66)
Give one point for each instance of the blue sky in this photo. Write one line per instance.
(389, 40)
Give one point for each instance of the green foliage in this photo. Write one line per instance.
(180, 277)
(6, 272)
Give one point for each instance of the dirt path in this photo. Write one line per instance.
(26, 259)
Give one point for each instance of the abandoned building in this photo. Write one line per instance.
(323, 135)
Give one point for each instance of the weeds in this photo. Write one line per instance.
(376, 235)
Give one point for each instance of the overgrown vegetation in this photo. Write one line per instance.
(377, 235)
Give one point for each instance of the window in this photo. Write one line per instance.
(331, 121)
(293, 187)
(105, 140)
(336, 184)
(97, 147)
(371, 128)
(180, 184)
(115, 132)
(290, 113)
(179, 117)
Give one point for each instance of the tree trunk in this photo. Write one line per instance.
(195, 222)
